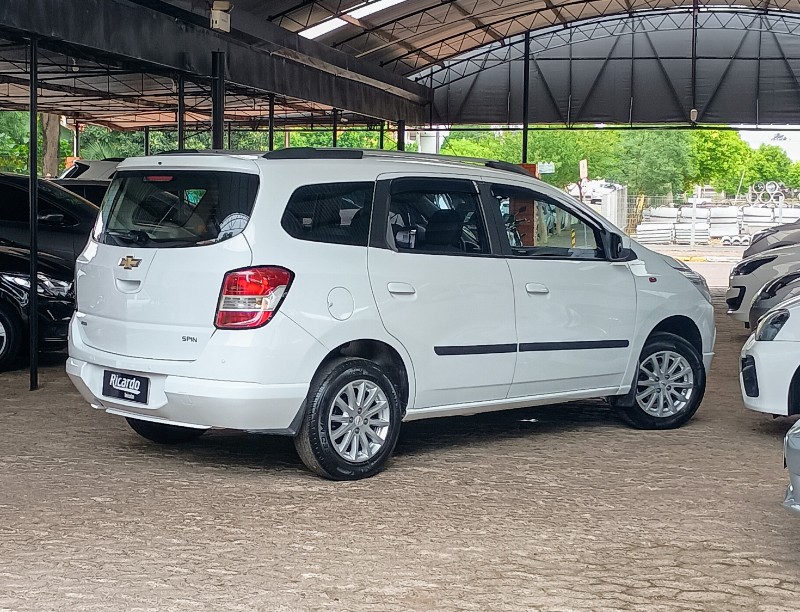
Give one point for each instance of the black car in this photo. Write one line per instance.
(65, 220)
(56, 302)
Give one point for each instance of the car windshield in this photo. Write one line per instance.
(158, 209)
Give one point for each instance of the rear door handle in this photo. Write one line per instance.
(536, 288)
(401, 289)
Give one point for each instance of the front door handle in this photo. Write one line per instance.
(401, 289)
(533, 288)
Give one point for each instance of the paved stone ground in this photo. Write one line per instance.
(560, 508)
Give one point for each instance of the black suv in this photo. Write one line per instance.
(65, 220)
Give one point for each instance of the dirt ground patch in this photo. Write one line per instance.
(558, 508)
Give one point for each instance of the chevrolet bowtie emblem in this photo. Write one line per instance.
(129, 262)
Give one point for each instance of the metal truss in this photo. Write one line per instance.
(414, 34)
(493, 54)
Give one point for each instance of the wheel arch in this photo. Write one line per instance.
(381, 353)
(683, 327)
(793, 398)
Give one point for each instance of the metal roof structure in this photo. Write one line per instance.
(422, 61)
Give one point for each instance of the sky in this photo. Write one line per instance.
(791, 145)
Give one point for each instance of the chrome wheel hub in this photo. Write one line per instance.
(3, 338)
(358, 421)
(665, 384)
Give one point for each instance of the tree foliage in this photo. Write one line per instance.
(652, 162)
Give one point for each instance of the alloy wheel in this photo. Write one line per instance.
(665, 385)
(358, 421)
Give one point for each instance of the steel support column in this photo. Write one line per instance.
(76, 141)
(380, 135)
(271, 122)
(695, 11)
(526, 88)
(217, 98)
(147, 140)
(33, 194)
(335, 126)
(180, 118)
(401, 135)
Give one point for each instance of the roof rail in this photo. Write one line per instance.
(330, 153)
(314, 153)
(210, 152)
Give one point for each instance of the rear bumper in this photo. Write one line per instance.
(195, 402)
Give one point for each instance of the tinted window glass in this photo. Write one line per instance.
(537, 226)
(436, 216)
(14, 205)
(336, 213)
(67, 200)
(176, 208)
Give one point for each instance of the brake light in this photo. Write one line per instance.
(250, 297)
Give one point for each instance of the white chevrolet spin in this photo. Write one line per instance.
(330, 295)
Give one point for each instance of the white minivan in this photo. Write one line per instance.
(330, 294)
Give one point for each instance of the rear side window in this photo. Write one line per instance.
(13, 204)
(337, 213)
(159, 209)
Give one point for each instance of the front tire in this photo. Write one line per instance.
(11, 335)
(161, 433)
(669, 385)
(352, 421)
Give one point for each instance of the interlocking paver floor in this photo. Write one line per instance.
(558, 508)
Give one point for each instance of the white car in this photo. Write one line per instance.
(750, 275)
(331, 294)
(770, 362)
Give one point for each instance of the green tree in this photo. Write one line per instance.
(718, 158)
(565, 148)
(654, 162)
(768, 163)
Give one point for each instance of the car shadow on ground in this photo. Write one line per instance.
(234, 449)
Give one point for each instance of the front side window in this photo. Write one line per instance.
(337, 213)
(537, 226)
(436, 216)
(160, 209)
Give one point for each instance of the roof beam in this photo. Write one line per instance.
(494, 34)
(385, 37)
(261, 56)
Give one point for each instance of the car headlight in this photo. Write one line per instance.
(770, 324)
(45, 285)
(748, 266)
(697, 279)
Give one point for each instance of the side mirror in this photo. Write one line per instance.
(51, 219)
(615, 251)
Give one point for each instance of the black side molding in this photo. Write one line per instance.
(572, 346)
(475, 349)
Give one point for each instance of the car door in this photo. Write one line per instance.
(440, 290)
(575, 311)
(60, 230)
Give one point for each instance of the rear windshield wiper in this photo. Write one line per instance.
(133, 236)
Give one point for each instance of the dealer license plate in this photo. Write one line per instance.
(126, 386)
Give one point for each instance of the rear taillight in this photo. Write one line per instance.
(250, 297)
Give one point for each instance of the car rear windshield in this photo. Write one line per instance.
(160, 209)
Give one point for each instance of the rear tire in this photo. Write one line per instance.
(161, 433)
(352, 421)
(11, 335)
(669, 385)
